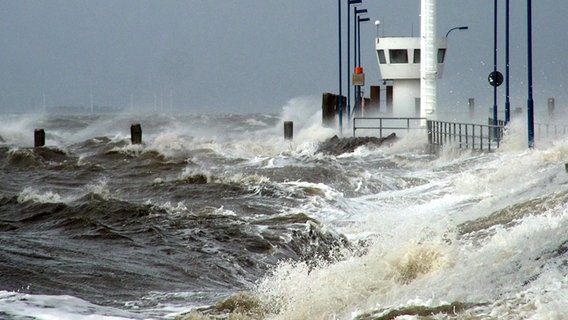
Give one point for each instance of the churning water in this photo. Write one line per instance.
(219, 217)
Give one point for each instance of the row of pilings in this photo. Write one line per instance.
(136, 134)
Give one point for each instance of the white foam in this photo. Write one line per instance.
(415, 257)
(63, 307)
(100, 188)
(423, 267)
(31, 194)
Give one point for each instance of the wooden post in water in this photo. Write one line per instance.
(136, 133)
(288, 130)
(39, 138)
(328, 110)
(551, 107)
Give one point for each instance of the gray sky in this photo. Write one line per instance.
(249, 55)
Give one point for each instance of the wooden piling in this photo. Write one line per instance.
(471, 107)
(288, 130)
(136, 133)
(39, 138)
(551, 104)
(328, 110)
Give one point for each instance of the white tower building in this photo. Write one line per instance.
(414, 64)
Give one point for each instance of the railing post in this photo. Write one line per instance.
(429, 128)
(493, 138)
(460, 135)
(440, 133)
(354, 128)
(473, 136)
(489, 141)
(481, 137)
(466, 137)
(455, 132)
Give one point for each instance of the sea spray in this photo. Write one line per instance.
(18, 130)
(305, 113)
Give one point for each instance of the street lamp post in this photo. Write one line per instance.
(495, 68)
(340, 98)
(530, 102)
(356, 14)
(349, 3)
(357, 49)
(359, 20)
(507, 86)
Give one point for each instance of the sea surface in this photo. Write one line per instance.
(217, 216)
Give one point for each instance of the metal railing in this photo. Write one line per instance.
(465, 135)
(386, 123)
(551, 130)
(462, 135)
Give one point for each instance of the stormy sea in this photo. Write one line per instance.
(217, 216)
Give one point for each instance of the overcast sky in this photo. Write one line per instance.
(249, 55)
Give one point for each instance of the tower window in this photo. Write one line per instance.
(381, 54)
(398, 56)
(441, 55)
(416, 58)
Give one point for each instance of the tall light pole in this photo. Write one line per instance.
(359, 20)
(356, 63)
(507, 69)
(530, 102)
(495, 64)
(340, 97)
(349, 3)
(356, 14)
